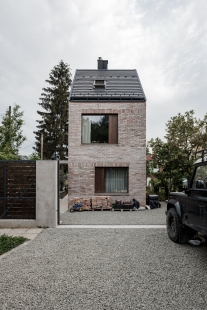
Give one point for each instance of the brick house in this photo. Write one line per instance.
(107, 135)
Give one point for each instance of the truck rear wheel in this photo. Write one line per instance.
(173, 224)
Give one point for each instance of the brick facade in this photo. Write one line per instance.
(129, 152)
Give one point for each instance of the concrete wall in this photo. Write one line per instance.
(129, 152)
(46, 193)
(46, 198)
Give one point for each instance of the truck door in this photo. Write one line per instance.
(196, 204)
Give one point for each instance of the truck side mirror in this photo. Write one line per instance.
(184, 183)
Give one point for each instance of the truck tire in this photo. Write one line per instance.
(173, 223)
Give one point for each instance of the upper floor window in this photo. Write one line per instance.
(100, 128)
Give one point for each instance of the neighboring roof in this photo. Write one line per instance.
(120, 85)
(149, 157)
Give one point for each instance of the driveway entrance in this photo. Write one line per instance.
(145, 217)
(119, 269)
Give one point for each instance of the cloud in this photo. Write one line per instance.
(165, 40)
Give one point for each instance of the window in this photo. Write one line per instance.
(111, 180)
(200, 177)
(99, 84)
(100, 128)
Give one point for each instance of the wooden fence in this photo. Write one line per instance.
(18, 189)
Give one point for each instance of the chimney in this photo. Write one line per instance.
(102, 64)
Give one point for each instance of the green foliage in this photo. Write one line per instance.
(148, 169)
(185, 136)
(7, 154)
(11, 137)
(54, 122)
(161, 193)
(7, 243)
(34, 156)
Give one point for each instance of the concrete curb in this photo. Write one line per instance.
(69, 226)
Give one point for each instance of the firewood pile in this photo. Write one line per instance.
(86, 203)
(96, 203)
(101, 202)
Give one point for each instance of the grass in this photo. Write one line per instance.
(7, 243)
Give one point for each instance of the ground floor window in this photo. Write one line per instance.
(111, 180)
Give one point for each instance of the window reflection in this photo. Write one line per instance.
(95, 128)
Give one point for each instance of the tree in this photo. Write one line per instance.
(11, 135)
(34, 156)
(185, 136)
(54, 122)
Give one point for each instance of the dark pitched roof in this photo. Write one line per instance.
(120, 85)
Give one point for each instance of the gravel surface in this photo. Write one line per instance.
(104, 269)
(148, 217)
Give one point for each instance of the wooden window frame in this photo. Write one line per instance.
(112, 129)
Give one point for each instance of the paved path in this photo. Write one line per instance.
(64, 204)
(97, 219)
(113, 226)
(29, 233)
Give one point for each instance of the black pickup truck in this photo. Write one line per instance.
(187, 211)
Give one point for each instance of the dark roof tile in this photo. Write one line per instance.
(120, 85)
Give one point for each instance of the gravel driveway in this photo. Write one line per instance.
(69, 268)
(146, 217)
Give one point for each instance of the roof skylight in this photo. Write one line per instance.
(99, 83)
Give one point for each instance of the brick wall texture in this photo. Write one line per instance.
(129, 152)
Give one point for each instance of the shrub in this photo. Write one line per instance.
(7, 243)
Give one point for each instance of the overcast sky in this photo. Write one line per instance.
(165, 40)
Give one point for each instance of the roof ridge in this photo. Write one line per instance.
(105, 69)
